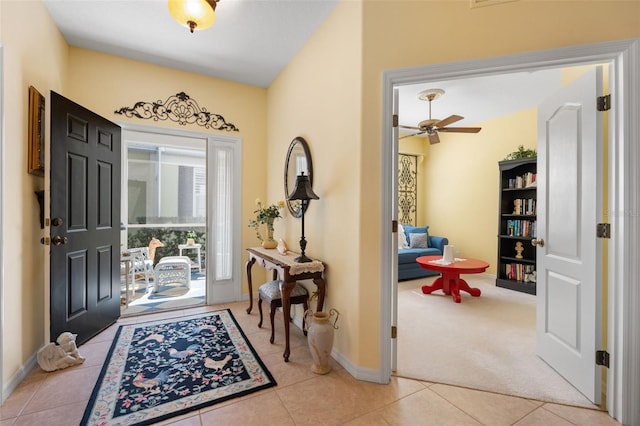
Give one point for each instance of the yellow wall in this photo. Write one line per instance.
(34, 55)
(317, 97)
(462, 183)
(105, 83)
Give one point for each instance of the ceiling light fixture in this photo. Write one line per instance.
(194, 14)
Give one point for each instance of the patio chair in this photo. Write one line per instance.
(141, 266)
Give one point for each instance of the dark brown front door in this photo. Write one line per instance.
(85, 220)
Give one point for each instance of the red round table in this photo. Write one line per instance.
(450, 281)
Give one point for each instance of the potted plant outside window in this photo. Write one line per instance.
(191, 238)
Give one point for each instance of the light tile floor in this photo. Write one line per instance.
(300, 398)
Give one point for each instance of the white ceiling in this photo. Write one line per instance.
(478, 99)
(253, 40)
(250, 42)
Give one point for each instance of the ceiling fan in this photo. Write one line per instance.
(433, 126)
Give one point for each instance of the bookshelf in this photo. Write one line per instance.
(517, 225)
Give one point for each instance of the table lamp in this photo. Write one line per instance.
(304, 193)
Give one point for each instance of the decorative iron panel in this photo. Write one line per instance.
(180, 108)
(407, 189)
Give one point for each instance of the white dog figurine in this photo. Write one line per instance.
(65, 354)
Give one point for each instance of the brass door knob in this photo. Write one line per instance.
(58, 240)
(539, 243)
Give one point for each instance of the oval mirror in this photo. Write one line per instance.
(298, 160)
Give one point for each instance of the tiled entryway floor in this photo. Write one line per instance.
(301, 397)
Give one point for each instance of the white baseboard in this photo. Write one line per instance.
(360, 373)
(15, 380)
(491, 276)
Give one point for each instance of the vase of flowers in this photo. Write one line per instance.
(266, 216)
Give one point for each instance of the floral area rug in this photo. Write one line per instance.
(160, 369)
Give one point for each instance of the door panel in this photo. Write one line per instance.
(77, 290)
(569, 203)
(105, 177)
(85, 211)
(105, 261)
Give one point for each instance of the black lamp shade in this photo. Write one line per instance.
(303, 190)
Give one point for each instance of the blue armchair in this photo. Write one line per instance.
(408, 268)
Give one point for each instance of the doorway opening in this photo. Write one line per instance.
(177, 209)
(623, 56)
(501, 325)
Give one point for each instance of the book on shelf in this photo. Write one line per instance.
(520, 272)
(521, 228)
(524, 206)
(528, 180)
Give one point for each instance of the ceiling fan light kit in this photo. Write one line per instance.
(433, 126)
(430, 94)
(194, 14)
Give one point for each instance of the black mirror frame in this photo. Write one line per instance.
(307, 153)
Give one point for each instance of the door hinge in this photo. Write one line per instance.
(394, 120)
(394, 226)
(45, 240)
(602, 358)
(604, 103)
(394, 331)
(603, 230)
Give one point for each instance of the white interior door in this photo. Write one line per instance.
(569, 205)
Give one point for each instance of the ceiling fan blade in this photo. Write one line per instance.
(434, 138)
(450, 119)
(460, 129)
(409, 127)
(412, 134)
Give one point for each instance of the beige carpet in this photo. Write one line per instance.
(485, 343)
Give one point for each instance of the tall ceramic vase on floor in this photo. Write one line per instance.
(320, 328)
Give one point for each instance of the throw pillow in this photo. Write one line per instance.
(408, 230)
(402, 238)
(418, 240)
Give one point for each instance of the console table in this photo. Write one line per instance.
(285, 268)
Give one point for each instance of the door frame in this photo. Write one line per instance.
(623, 376)
(2, 180)
(211, 139)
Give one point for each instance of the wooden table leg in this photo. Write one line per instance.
(321, 291)
(250, 263)
(438, 284)
(454, 289)
(451, 283)
(287, 286)
(462, 285)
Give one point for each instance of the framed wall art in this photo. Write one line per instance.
(36, 133)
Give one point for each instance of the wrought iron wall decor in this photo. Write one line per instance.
(407, 189)
(179, 108)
